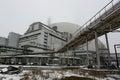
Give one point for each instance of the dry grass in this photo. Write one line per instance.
(94, 73)
(37, 72)
(98, 74)
(46, 75)
(76, 78)
(26, 77)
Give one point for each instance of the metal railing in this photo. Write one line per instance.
(103, 11)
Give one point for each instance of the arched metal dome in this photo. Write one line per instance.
(65, 27)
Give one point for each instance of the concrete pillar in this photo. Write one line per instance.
(107, 43)
(68, 56)
(87, 51)
(97, 50)
(117, 60)
(74, 55)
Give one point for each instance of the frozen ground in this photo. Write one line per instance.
(51, 75)
(33, 67)
(12, 77)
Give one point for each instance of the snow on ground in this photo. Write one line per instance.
(12, 77)
(51, 75)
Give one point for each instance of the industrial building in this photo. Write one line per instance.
(43, 37)
(41, 42)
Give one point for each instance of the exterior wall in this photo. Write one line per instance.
(3, 41)
(13, 39)
(56, 39)
(34, 39)
(33, 36)
(55, 43)
(43, 38)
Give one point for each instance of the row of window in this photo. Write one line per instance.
(28, 38)
(45, 39)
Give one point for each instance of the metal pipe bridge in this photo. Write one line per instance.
(106, 20)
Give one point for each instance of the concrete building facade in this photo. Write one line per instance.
(42, 36)
(13, 39)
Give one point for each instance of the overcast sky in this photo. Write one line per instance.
(17, 15)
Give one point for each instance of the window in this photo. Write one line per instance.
(45, 46)
(45, 36)
(45, 39)
(45, 42)
(46, 33)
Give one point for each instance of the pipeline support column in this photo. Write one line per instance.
(97, 50)
(87, 51)
(107, 43)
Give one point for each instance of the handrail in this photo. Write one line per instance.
(95, 17)
(98, 15)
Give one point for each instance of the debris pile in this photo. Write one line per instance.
(11, 70)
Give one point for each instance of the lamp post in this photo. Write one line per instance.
(115, 47)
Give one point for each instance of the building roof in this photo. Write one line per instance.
(40, 25)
